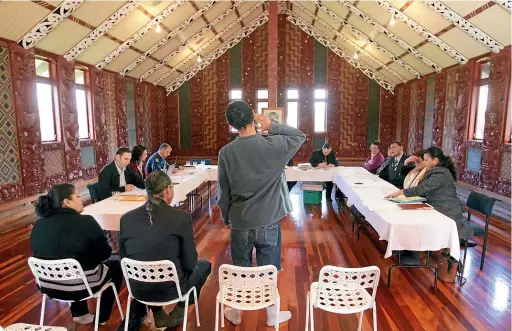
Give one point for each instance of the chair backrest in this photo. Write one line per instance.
(198, 161)
(94, 192)
(481, 203)
(58, 271)
(150, 272)
(334, 281)
(31, 327)
(248, 288)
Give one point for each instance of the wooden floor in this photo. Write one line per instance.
(312, 237)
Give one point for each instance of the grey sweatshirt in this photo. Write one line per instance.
(252, 191)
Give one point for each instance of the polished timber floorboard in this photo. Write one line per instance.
(313, 236)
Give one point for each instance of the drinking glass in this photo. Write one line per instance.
(194, 163)
(187, 163)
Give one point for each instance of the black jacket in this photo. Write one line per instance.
(67, 234)
(318, 157)
(108, 180)
(397, 177)
(170, 236)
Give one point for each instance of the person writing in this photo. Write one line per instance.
(325, 158)
(114, 177)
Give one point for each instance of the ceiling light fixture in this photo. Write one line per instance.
(356, 55)
(158, 28)
(199, 59)
(392, 20)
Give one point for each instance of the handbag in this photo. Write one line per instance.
(447, 267)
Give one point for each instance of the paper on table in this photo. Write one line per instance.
(136, 192)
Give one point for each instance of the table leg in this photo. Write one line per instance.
(426, 265)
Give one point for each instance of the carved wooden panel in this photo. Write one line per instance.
(334, 86)
(173, 128)
(249, 70)
(222, 99)
(122, 120)
(405, 103)
(100, 118)
(439, 107)
(141, 109)
(387, 119)
(281, 61)
(210, 108)
(27, 119)
(360, 115)
(306, 102)
(111, 113)
(462, 110)
(421, 94)
(260, 56)
(503, 186)
(163, 119)
(449, 111)
(69, 115)
(293, 54)
(495, 117)
(197, 115)
(155, 118)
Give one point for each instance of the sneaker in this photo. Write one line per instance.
(84, 319)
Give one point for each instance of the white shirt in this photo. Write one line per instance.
(122, 179)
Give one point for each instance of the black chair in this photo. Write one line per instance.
(94, 192)
(483, 204)
(198, 161)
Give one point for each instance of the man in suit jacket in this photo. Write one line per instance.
(396, 171)
(325, 158)
(114, 177)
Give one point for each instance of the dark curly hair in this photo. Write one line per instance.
(444, 161)
(137, 151)
(239, 114)
(46, 204)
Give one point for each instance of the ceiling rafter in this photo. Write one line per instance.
(465, 25)
(349, 41)
(216, 53)
(167, 38)
(101, 30)
(206, 44)
(370, 41)
(50, 22)
(139, 34)
(505, 4)
(391, 35)
(340, 51)
(205, 20)
(432, 38)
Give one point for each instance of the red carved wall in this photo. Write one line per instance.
(197, 118)
(174, 119)
(222, 85)
(387, 120)
(122, 120)
(249, 70)
(334, 86)
(100, 118)
(420, 113)
(306, 84)
(141, 109)
(439, 107)
(69, 115)
(27, 119)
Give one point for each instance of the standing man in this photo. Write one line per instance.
(252, 193)
(158, 161)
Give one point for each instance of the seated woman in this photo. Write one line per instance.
(416, 175)
(136, 166)
(62, 233)
(157, 231)
(376, 158)
(439, 189)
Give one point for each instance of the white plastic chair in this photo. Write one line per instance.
(31, 327)
(344, 291)
(156, 272)
(247, 288)
(68, 269)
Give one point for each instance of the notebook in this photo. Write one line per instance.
(414, 206)
(404, 199)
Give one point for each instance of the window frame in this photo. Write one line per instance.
(86, 87)
(288, 100)
(258, 100)
(231, 130)
(478, 82)
(325, 101)
(52, 81)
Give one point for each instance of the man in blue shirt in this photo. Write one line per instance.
(158, 161)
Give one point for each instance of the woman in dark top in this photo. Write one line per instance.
(439, 189)
(157, 231)
(136, 166)
(62, 233)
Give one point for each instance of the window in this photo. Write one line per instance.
(45, 90)
(292, 108)
(481, 99)
(235, 94)
(82, 104)
(320, 109)
(262, 100)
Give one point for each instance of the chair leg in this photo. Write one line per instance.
(307, 312)
(196, 307)
(127, 320)
(43, 305)
(217, 304)
(118, 302)
(222, 314)
(374, 316)
(484, 249)
(185, 318)
(278, 307)
(97, 317)
(312, 316)
(361, 314)
(463, 263)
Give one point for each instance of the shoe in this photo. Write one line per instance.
(84, 319)
(134, 324)
(171, 320)
(463, 242)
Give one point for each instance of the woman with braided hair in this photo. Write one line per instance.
(157, 231)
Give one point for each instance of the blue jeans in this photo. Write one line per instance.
(266, 240)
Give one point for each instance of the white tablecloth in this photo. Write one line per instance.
(415, 230)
